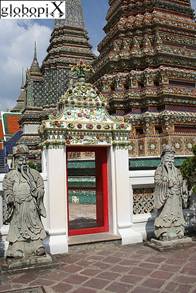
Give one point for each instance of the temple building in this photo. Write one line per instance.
(146, 69)
(10, 132)
(102, 134)
(46, 83)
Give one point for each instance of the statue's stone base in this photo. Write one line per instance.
(28, 290)
(168, 245)
(23, 263)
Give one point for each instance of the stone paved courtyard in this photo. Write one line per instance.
(111, 267)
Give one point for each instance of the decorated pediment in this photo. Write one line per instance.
(82, 119)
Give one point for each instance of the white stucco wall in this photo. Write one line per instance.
(143, 223)
(1, 212)
(30, 129)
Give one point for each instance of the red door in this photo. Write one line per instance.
(87, 183)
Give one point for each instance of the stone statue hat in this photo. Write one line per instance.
(20, 149)
(167, 149)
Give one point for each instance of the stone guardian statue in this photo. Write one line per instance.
(23, 192)
(170, 197)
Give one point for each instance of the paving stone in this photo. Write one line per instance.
(155, 259)
(112, 260)
(128, 262)
(140, 271)
(132, 279)
(191, 263)
(185, 279)
(101, 265)
(117, 287)
(25, 278)
(85, 263)
(84, 290)
(143, 290)
(175, 261)
(184, 289)
(56, 275)
(75, 279)
(170, 268)
(72, 268)
(189, 269)
(121, 255)
(120, 269)
(28, 290)
(5, 287)
(72, 259)
(17, 286)
(96, 283)
(161, 275)
(42, 282)
(137, 256)
(123, 269)
(90, 272)
(108, 275)
(171, 286)
(93, 258)
(62, 288)
(153, 283)
(148, 265)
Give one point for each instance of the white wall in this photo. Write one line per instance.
(30, 129)
(143, 223)
(1, 189)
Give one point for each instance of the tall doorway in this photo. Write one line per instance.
(87, 189)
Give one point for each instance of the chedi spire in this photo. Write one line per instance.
(73, 15)
(35, 69)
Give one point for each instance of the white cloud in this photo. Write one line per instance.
(16, 52)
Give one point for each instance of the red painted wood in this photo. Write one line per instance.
(101, 191)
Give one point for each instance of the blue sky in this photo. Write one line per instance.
(17, 42)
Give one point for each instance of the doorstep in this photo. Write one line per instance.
(92, 238)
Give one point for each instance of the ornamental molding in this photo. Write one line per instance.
(173, 116)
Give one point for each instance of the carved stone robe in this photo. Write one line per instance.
(23, 197)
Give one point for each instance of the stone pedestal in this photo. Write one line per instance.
(172, 244)
(24, 263)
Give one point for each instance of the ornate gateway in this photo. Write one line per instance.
(81, 129)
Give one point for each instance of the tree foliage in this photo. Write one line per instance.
(188, 170)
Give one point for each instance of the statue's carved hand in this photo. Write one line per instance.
(10, 199)
(40, 194)
(171, 183)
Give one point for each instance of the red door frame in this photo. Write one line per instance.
(101, 186)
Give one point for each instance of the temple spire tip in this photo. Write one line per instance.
(22, 79)
(35, 51)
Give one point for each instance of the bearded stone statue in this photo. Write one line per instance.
(23, 191)
(170, 196)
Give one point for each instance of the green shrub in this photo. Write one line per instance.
(35, 165)
(188, 170)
